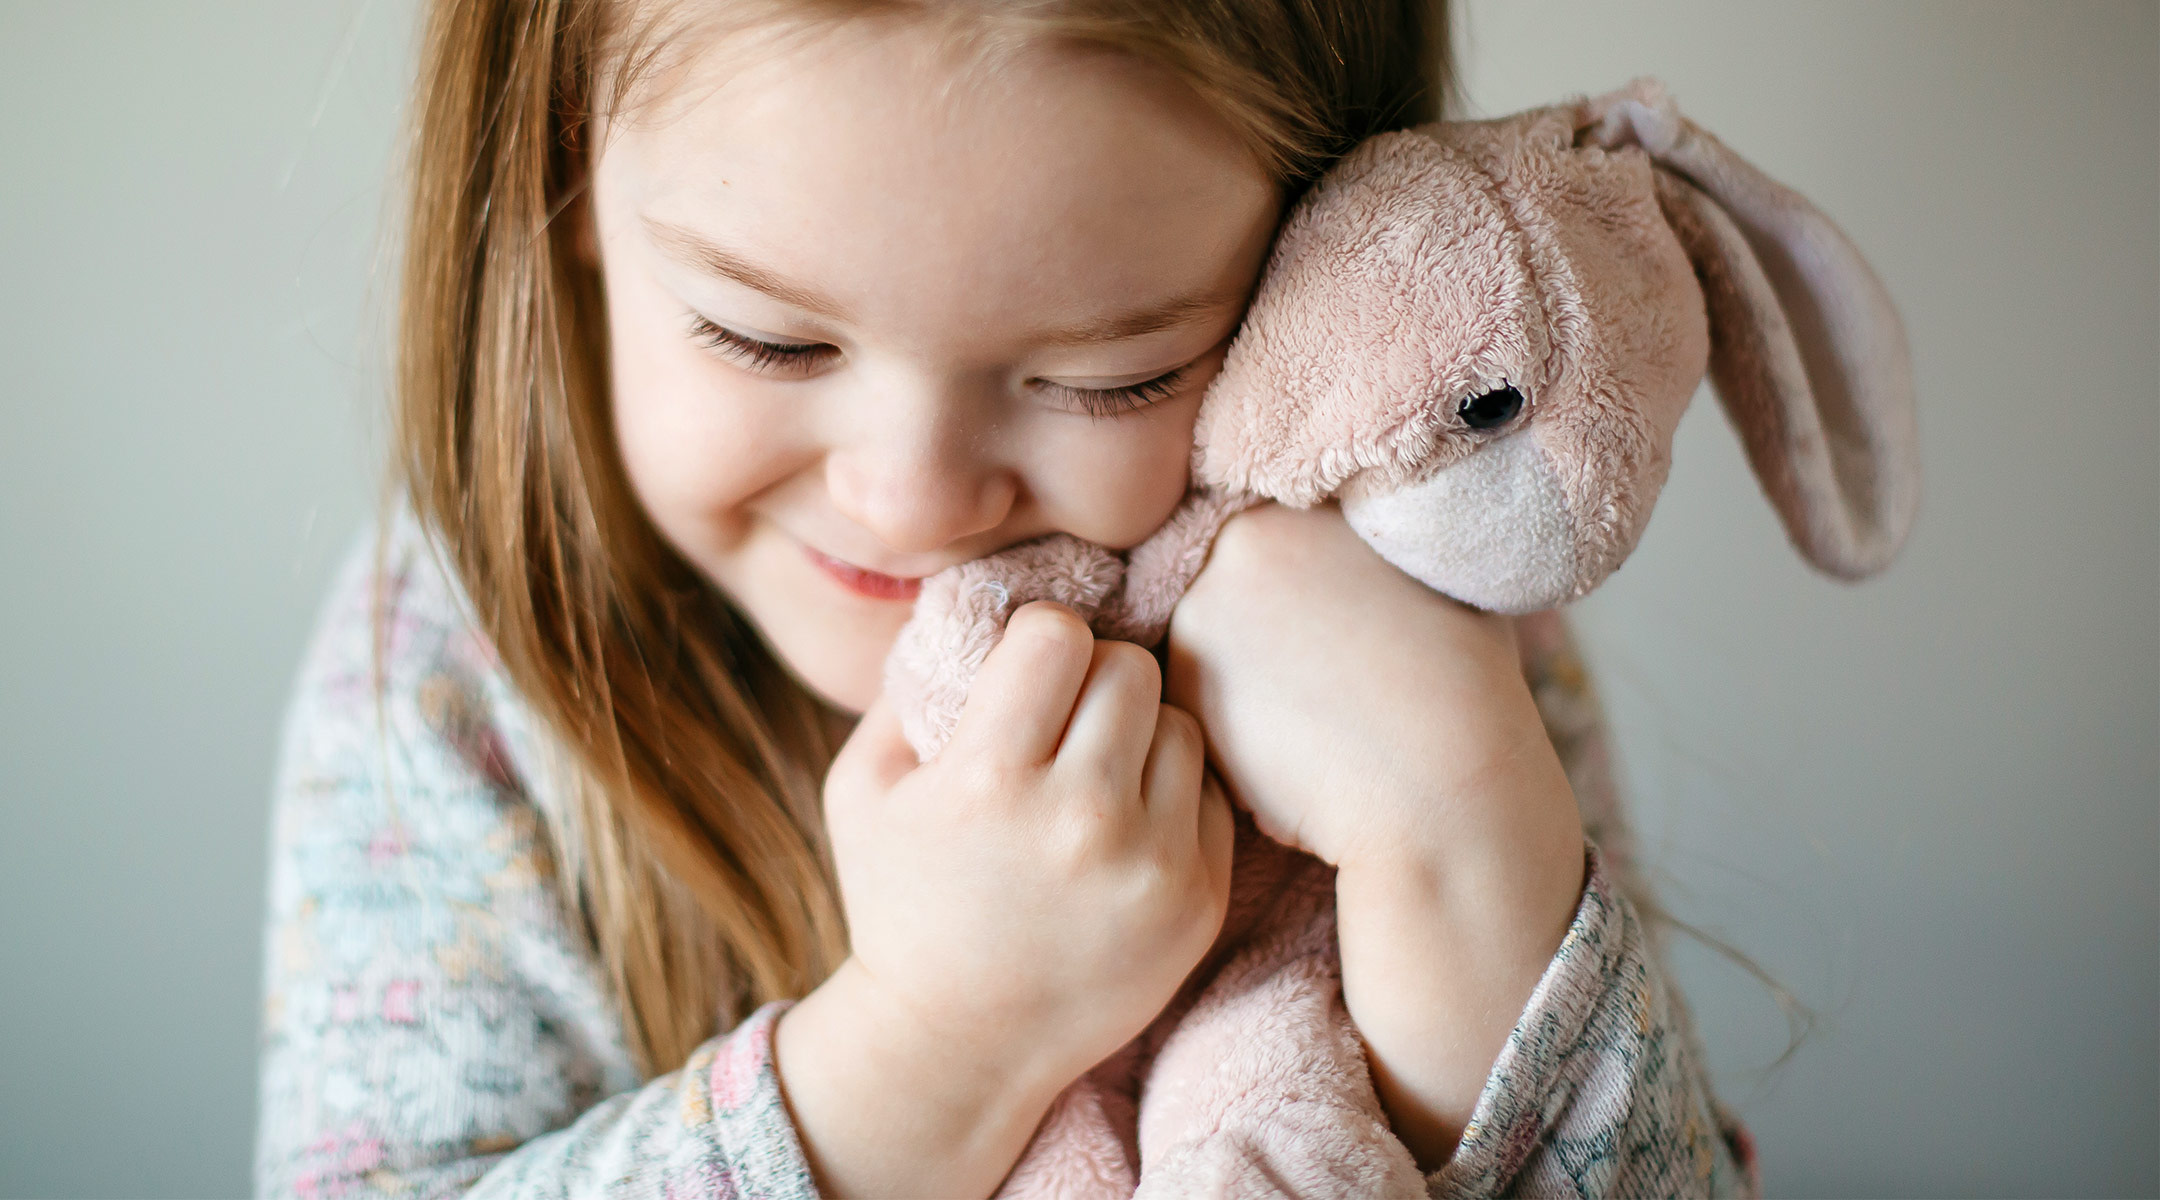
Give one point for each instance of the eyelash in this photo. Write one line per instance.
(780, 357)
(764, 356)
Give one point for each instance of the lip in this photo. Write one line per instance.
(862, 582)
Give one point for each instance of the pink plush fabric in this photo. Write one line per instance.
(1596, 257)
(961, 612)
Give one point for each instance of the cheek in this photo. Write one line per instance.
(697, 440)
(1116, 480)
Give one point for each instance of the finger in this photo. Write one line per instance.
(1023, 694)
(1118, 720)
(1218, 832)
(1171, 776)
(876, 755)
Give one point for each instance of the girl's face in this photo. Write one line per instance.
(874, 301)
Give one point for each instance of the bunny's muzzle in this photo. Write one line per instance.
(1493, 530)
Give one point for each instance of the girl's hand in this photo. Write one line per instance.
(1019, 907)
(1351, 708)
(1389, 730)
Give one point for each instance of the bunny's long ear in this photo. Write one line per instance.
(1807, 353)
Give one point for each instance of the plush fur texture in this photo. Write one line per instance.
(1598, 256)
(932, 662)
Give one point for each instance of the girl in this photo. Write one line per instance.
(599, 863)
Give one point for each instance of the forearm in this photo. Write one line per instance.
(1603, 1056)
(884, 1106)
(1444, 941)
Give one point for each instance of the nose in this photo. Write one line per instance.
(924, 474)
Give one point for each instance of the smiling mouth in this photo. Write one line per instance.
(872, 584)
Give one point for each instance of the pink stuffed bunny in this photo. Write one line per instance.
(1479, 337)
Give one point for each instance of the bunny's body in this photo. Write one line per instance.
(1479, 337)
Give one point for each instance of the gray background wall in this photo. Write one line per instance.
(1930, 805)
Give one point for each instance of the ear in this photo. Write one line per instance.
(1807, 353)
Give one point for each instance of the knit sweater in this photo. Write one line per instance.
(437, 1021)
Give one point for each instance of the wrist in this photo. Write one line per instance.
(970, 1066)
(1504, 835)
(879, 1093)
(1493, 897)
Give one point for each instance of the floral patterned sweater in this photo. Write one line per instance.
(437, 1023)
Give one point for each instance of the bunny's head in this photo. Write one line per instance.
(1481, 336)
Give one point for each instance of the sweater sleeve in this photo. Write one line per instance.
(1600, 1090)
(436, 1021)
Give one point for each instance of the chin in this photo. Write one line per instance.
(844, 668)
(831, 641)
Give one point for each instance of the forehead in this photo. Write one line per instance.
(886, 157)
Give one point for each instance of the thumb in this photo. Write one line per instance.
(876, 754)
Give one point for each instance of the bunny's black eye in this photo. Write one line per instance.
(1490, 410)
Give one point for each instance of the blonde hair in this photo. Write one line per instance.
(695, 760)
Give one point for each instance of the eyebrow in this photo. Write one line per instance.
(1152, 319)
(696, 251)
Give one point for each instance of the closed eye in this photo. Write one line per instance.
(1111, 402)
(796, 358)
(756, 353)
